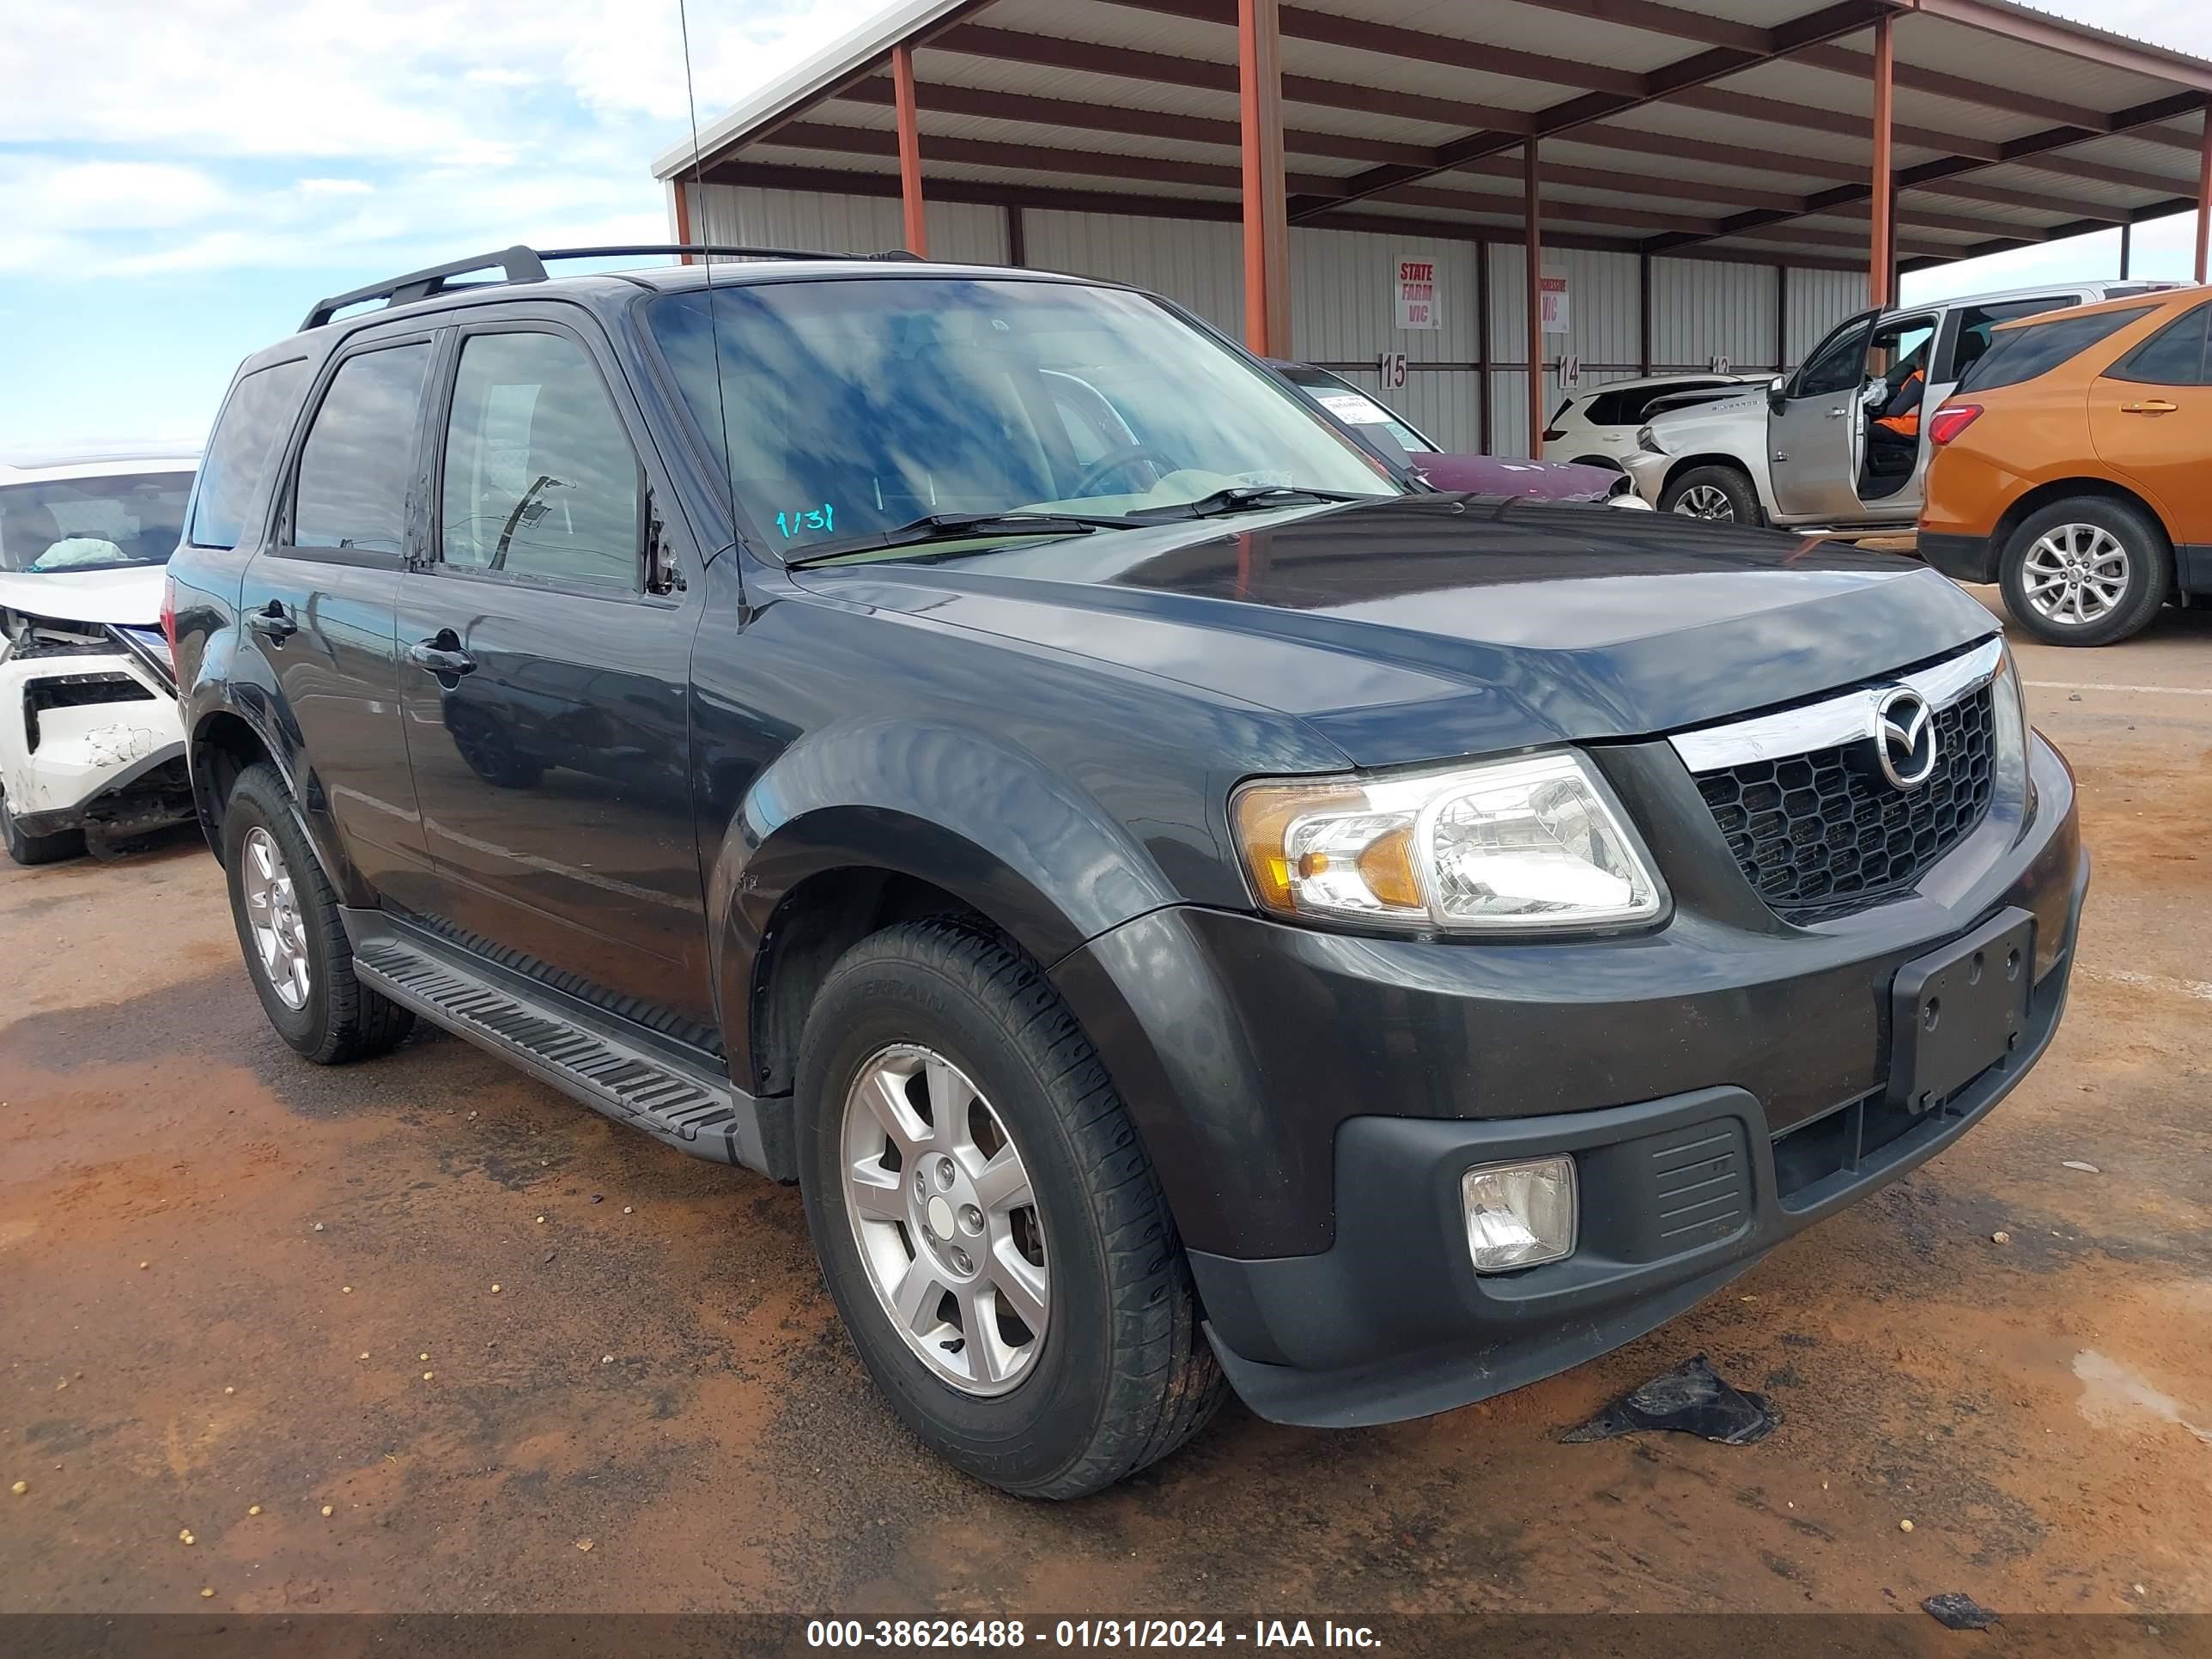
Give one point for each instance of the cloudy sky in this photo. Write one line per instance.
(180, 179)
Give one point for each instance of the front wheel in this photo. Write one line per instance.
(1720, 494)
(988, 1226)
(297, 950)
(2086, 571)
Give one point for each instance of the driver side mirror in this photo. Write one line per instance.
(1776, 389)
(1384, 442)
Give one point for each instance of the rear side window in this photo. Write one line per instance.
(246, 433)
(2021, 354)
(1629, 407)
(353, 468)
(2172, 356)
(1978, 327)
(540, 479)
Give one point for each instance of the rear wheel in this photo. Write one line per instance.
(297, 950)
(2086, 571)
(38, 849)
(1721, 495)
(988, 1225)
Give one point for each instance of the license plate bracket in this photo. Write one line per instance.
(1957, 1011)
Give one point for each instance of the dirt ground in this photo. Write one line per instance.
(412, 1335)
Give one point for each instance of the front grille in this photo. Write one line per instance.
(1821, 834)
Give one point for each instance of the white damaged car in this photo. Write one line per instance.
(90, 739)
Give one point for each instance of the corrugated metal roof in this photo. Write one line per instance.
(1736, 126)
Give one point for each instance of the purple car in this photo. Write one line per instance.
(1548, 481)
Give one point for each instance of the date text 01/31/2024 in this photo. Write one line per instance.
(897, 1633)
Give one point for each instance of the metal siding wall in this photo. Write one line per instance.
(1344, 310)
(1195, 262)
(1703, 307)
(960, 232)
(1819, 300)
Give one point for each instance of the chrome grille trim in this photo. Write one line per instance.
(1847, 718)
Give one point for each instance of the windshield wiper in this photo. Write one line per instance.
(1243, 498)
(960, 527)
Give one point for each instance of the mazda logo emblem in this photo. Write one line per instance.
(1904, 739)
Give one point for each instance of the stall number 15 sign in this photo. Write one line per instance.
(1418, 303)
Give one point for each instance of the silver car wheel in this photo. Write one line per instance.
(2075, 573)
(272, 915)
(1705, 502)
(947, 1225)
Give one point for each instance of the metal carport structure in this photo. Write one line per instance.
(1858, 138)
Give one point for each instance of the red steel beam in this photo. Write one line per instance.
(1265, 193)
(2204, 197)
(1880, 253)
(910, 153)
(1533, 251)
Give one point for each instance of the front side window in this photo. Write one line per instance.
(1838, 364)
(353, 468)
(246, 433)
(2172, 356)
(540, 479)
(857, 406)
(92, 524)
(2023, 352)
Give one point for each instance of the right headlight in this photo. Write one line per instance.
(1531, 843)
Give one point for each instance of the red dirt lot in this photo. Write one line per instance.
(483, 1328)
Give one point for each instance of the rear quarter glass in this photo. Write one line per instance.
(2033, 349)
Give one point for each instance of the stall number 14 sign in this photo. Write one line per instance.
(1418, 301)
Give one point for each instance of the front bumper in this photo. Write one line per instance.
(1648, 472)
(65, 763)
(1310, 1100)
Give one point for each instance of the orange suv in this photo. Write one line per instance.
(2074, 466)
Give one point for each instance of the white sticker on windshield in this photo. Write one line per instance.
(1353, 409)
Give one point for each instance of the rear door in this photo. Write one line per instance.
(1811, 432)
(2150, 417)
(320, 601)
(546, 685)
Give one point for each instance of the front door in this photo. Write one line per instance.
(1811, 429)
(1892, 405)
(547, 688)
(2149, 417)
(320, 601)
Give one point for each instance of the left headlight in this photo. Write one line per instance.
(1531, 843)
(2009, 704)
(1647, 441)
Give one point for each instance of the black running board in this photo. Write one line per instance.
(634, 1081)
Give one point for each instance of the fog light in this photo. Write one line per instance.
(1520, 1214)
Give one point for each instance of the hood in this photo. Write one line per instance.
(1540, 481)
(128, 594)
(1724, 411)
(1427, 626)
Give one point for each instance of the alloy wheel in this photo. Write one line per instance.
(2075, 573)
(272, 914)
(945, 1219)
(1705, 502)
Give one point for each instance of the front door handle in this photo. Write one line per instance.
(1837, 414)
(271, 622)
(441, 659)
(2149, 406)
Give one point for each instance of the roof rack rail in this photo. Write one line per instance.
(524, 265)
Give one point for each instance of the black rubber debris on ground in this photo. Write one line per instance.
(1691, 1398)
(1954, 1611)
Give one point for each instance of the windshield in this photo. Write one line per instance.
(1355, 408)
(854, 407)
(92, 524)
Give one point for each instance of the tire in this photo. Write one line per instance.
(1121, 1375)
(2099, 530)
(1732, 484)
(38, 849)
(337, 1019)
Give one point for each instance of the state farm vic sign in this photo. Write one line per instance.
(1419, 305)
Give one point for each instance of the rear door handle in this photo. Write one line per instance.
(271, 624)
(440, 657)
(2149, 406)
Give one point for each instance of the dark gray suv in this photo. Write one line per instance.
(1190, 907)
